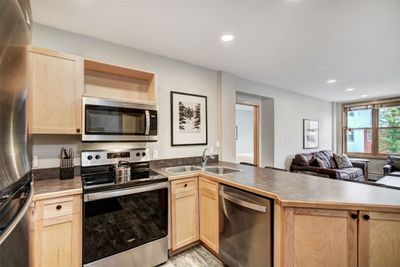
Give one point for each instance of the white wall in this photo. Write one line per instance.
(227, 99)
(289, 111)
(219, 87)
(171, 75)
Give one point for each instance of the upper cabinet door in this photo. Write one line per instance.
(379, 239)
(55, 92)
(316, 237)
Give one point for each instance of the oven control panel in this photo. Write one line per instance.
(107, 157)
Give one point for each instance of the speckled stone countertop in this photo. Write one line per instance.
(48, 188)
(299, 190)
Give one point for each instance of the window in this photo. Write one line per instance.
(372, 128)
(389, 129)
(350, 136)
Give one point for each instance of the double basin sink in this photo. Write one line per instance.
(220, 170)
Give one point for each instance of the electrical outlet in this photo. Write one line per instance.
(154, 153)
(35, 162)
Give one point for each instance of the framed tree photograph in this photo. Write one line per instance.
(310, 134)
(188, 119)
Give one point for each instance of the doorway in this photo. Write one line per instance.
(247, 133)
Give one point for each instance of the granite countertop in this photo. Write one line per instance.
(300, 190)
(48, 188)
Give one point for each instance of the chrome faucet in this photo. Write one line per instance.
(205, 157)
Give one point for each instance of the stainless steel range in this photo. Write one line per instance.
(125, 209)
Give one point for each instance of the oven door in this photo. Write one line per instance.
(119, 220)
(108, 120)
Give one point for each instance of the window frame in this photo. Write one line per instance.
(375, 105)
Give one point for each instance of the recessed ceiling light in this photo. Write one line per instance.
(227, 37)
(364, 95)
(350, 89)
(330, 81)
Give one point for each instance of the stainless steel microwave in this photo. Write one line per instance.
(109, 120)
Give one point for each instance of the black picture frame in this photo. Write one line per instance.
(173, 109)
(305, 144)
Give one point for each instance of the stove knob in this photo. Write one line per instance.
(97, 157)
(138, 154)
(90, 157)
(143, 154)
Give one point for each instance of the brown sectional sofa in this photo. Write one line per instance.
(305, 163)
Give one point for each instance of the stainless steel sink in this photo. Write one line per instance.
(183, 169)
(221, 170)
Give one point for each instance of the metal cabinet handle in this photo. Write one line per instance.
(366, 217)
(243, 203)
(78, 130)
(185, 185)
(58, 207)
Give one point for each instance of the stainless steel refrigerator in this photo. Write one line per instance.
(15, 170)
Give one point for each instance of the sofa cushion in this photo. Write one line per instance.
(350, 173)
(327, 157)
(318, 163)
(394, 160)
(342, 161)
(303, 159)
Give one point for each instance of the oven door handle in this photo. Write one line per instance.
(147, 114)
(123, 192)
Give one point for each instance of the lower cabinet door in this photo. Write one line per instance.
(379, 239)
(208, 204)
(317, 237)
(58, 242)
(184, 212)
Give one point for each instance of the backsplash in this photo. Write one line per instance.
(54, 173)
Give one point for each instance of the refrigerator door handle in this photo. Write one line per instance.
(19, 216)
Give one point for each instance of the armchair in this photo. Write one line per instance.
(392, 167)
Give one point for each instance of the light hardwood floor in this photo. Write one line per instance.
(195, 257)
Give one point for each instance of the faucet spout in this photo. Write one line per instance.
(204, 158)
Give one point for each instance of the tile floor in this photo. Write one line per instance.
(194, 257)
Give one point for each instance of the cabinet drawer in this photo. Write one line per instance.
(184, 185)
(56, 207)
(51, 210)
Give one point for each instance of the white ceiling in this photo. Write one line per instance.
(292, 44)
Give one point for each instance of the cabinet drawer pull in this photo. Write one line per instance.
(58, 207)
(78, 130)
(354, 216)
(366, 217)
(185, 185)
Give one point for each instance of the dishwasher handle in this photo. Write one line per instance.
(243, 203)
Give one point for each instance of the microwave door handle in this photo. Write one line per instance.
(147, 130)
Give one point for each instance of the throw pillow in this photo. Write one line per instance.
(342, 161)
(318, 163)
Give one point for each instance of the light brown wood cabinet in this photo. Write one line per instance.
(316, 237)
(379, 239)
(208, 206)
(55, 92)
(56, 232)
(184, 212)
(322, 237)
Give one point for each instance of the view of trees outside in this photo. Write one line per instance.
(389, 139)
(359, 138)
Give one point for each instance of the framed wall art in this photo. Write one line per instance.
(188, 119)
(310, 134)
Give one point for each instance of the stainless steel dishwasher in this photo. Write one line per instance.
(245, 237)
